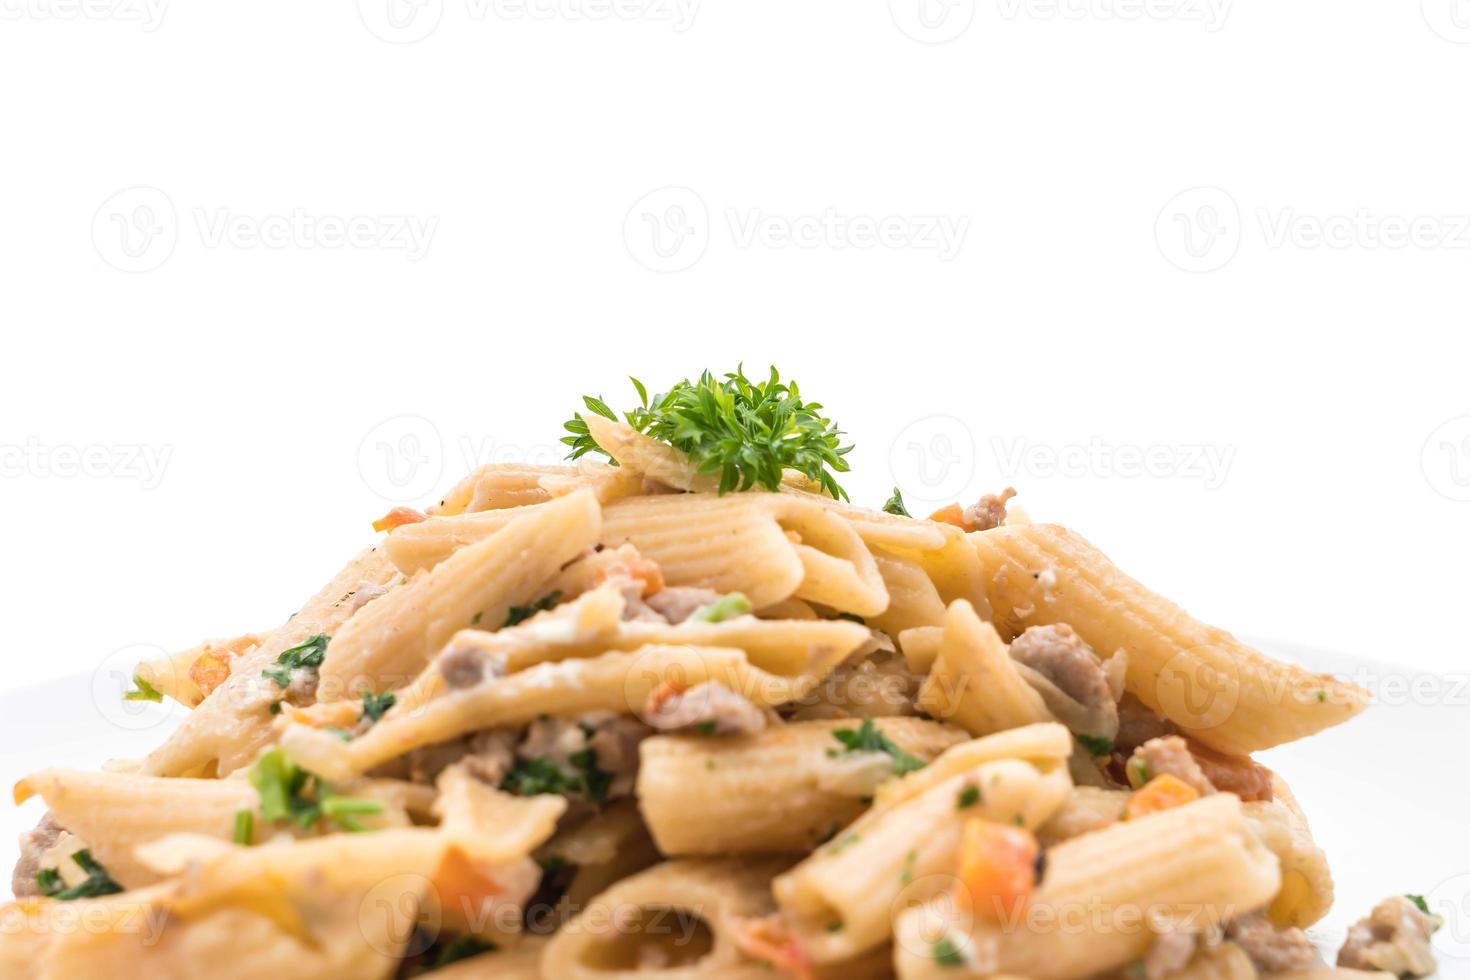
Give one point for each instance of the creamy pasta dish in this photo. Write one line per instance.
(679, 708)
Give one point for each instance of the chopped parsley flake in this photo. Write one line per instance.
(534, 777)
(374, 705)
(967, 797)
(725, 607)
(290, 793)
(98, 881)
(244, 827)
(894, 505)
(867, 738)
(519, 614)
(1096, 745)
(308, 654)
(143, 691)
(944, 952)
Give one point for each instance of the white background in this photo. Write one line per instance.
(1089, 303)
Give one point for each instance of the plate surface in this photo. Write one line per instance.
(1384, 797)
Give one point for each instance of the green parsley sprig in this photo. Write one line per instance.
(748, 432)
(307, 654)
(290, 793)
(98, 881)
(867, 738)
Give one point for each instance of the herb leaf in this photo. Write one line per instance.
(519, 614)
(894, 504)
(746, 431)
(374, 705)
(725, 607)
(98, 881)
(867, 738)
(288, 792)
(1096, 745)
(143, 691)
(307, 654)
(533, 777)
(946, 953)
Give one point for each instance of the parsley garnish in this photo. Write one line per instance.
(967, 797)
(1140, 771)
(98, 882)
(894, 505)
(244, 827)
(1096, 745)
(373, 705)
(944, 952)
(749, 432)
(725, 607)
(143, 691)
(519, 614)
(1436, 921)
(288, 792)
(533, 777)
(868, 739)
(308, 654)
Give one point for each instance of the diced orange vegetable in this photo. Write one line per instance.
(997, 868)
(768, 940)
(951, 514)
(638, 569)
(661, 693)
(209, 670)
(1161, 793)
(461, 885)
(397, 517)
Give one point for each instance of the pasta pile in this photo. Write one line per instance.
(601, 721)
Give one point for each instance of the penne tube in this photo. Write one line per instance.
(974, 683)
(680, 918)
(392, 639)
(231, 726)
(744, 543)
(1102, 896)
(1213, 687)
(782, 791)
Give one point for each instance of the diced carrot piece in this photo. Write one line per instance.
(768, 940)
(951, 514)
(1161, 793)
(209, 670)
(997, 867)
(639, 570)
(460, 884)
(397, 517)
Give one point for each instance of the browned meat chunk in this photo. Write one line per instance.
(1394, 938)
(710, 708)
(1236, 774)
(1272, 950)
(1169, 754)
(33, 844)
(1058, 654)
(677, 603)
(988, 512)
